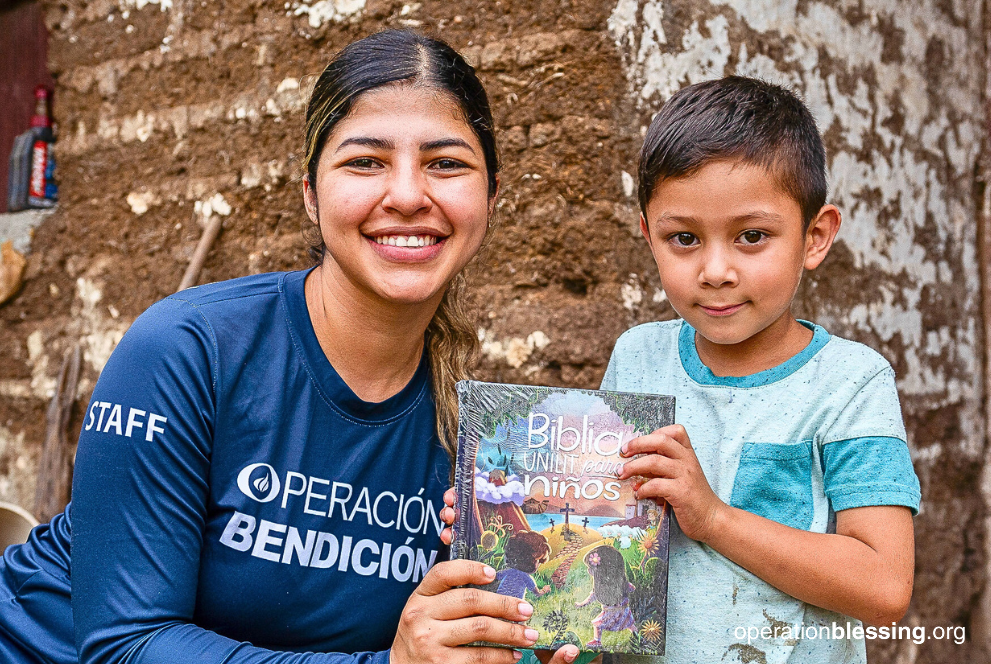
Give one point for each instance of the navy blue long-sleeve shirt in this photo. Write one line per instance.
(233, 501)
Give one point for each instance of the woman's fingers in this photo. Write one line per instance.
(453, 573)
(448, 515)
(448, 601)
(466, 602)
(489, 630)
(481, 655)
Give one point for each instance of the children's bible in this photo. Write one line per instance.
(539, 501)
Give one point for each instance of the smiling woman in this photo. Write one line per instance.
(260, 473)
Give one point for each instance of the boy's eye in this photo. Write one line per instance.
(752, 237)
(684, 239)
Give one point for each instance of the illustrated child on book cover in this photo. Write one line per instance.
(525, 551)
(611, 589)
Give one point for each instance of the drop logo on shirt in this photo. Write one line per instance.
(264, 489)
(385, 511)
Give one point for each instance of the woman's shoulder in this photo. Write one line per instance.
(241, 299)
(236, 290)
(196, 323)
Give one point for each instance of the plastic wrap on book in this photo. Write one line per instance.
(539, 500)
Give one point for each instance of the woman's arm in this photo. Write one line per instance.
(864, 570)
(140, 500)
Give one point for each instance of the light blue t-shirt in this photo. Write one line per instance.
(820, 433)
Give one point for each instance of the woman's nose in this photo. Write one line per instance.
(408, 191)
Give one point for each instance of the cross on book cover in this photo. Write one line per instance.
(539, 501)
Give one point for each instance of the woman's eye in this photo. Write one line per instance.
(684, 239)
(448, 164)
(363, 162)
(752, 237)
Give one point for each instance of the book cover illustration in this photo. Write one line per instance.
(539, 501)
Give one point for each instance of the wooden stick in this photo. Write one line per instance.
(210, 233)
(55, 469)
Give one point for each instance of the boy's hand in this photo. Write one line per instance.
(670, 470)
(448, 515)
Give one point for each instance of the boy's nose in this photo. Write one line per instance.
(717, 269)
(407, 191)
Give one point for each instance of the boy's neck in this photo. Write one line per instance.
(770, 347)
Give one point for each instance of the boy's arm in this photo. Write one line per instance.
(864, 570)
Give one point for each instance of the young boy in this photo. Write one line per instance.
(789, 473)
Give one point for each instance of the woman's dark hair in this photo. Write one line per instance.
(395, 56)
(608, 570)
(399, 56)
(737, 118)
(524, 550)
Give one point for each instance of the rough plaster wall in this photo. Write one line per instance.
(172, 111)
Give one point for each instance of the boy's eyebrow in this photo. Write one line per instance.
(760, 215)
(755, 215)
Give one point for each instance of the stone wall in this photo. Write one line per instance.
(172, 111)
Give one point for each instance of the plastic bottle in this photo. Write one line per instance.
(31, 183)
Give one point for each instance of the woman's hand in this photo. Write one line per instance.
(448, 515)
(564, 655)
(439, 617)
(670, 470)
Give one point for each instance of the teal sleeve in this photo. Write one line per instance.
(609, 379)
(870, 471)
(872, 411)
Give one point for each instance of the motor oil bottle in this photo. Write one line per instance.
(42, 190)
(31, 181)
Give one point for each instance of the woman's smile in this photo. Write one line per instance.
(406, 240)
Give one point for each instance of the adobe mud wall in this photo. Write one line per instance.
(171, 111)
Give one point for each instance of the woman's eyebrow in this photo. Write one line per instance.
(368, 142)
(385, 144)
(446, 143)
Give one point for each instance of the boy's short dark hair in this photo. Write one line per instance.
(737, 118)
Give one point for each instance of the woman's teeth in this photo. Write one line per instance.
(407, 240)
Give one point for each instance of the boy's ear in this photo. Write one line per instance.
(819, 238)
(645, 230)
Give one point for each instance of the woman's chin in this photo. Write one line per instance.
(411, 295)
